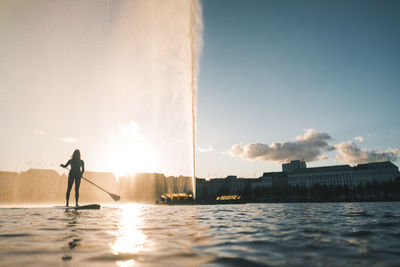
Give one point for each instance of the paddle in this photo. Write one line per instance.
(113, 196)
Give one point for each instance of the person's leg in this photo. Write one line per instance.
(77, 184)
(70, 182)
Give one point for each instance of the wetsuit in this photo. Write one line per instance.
(75, 174)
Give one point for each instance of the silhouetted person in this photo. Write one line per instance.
(75, 174)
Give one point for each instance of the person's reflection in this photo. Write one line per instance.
(73, 239)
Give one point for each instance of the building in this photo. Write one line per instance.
(342, 174)
(271, 180)
(263, 182)
(293, 165)
(295, 174)
(222, 186)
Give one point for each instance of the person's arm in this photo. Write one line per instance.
(83, 167)
(66, 164)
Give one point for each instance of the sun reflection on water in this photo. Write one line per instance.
(130, 238)
(128, 263)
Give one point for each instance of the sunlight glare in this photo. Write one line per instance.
(127, 263)
(130, 238)
(131, 157)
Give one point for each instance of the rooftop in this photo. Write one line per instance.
(337, 168)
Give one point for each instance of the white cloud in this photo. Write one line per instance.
(39, 132)
(351, 154)
(359, 139)
(207, 149)
(128, 131)
(68, 140)
(309, 147)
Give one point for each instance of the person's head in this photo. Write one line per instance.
(76, 155)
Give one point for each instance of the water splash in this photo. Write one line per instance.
(82, 70)
(196, 44)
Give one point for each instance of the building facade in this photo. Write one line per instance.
(296, 173)
(343, 174)
(293, 165)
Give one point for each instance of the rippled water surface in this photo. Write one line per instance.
(327, 234)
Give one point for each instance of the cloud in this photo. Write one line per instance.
(309, 147)
(207, 149)
(68, 140)
(359, 139)
(39, 132)
(129, 131)
(351, 154)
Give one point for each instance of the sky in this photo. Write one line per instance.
(285, 80)
(111, 78)
(278, 81)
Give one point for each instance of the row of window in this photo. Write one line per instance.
(341, 178)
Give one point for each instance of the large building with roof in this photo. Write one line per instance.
(296, 173)
(300, 175)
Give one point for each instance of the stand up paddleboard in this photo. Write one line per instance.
(84, 207)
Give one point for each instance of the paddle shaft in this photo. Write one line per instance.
(96, 185)
(113, 196)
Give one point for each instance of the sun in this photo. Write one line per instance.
(131, 157)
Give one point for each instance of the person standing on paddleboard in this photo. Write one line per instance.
(75, 174)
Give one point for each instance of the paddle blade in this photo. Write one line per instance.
(115, 197)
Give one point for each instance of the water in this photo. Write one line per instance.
(328, 234)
